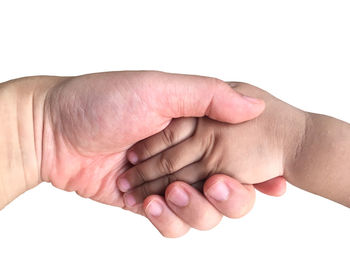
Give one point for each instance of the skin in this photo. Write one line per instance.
(311, 151)
(74, 132)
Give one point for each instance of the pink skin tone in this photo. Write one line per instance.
(91, 121)
(205, 211)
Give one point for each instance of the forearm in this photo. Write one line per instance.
(322, 164)
(21, 104)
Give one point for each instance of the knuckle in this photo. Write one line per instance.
(145, 191)
(212, 164)
(206, 142)
(210, 161)
(164, 182)
(166, 165)
(168, 136)
(140, 174)
(146, 150)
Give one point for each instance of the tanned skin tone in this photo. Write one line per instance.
(310, 151)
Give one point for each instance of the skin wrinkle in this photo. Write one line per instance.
(64, 121)
(40, 98)
(46, 112)
(56, 119)
(38, 160)
(21, 172)
(218, 163)
(69, 104)
(38, 124)
(307, 128)
(211, 97)
(85, 173)
(102, 184)
(168, 136)
(140, 175)
(75, 117)
(20, 144)
(208, 158)
(166, 164)
(58, 147)
(146, 148)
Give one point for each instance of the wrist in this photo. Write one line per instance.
(21, 104)
(300, 128)
(322, 164)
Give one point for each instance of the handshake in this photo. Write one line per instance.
(182, 150)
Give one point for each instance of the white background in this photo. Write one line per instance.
(297, 50)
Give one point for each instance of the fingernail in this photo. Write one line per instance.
(129, 199)
(154, 208)
(219, 191)
(233, 84)
(252, 100)
(179, 197)
(123, 185)
(132, 157)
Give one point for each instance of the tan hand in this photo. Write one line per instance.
(252, 152)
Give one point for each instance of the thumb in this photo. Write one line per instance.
(196, 96)
(274, 187)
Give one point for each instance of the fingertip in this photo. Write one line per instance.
(230, 106)
(147, 200)
(167, 223)
(252, 100)
(256, 103)
(194, 209)
(281, 186)
(218, 191)
(178, 196)
(123, 184)
(132, 157)
(257, 107)
(229, 196)
(153, 208)
(173, 186)
(217, 178)
(251, 107)
(129, 200)
(274, 187)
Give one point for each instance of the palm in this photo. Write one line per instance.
(91, 121)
